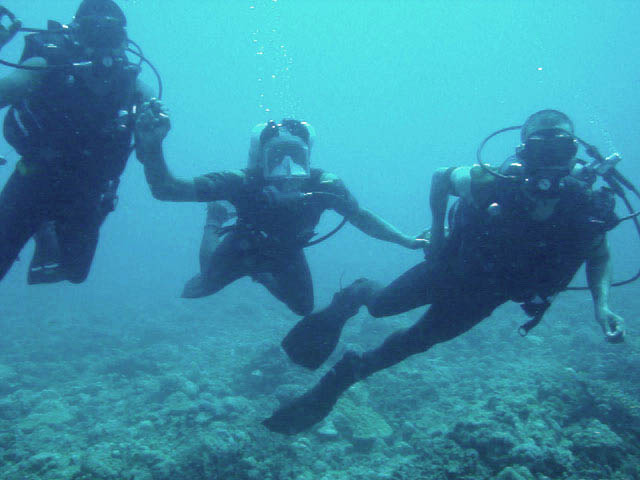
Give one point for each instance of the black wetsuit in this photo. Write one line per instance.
(487, 261)
(267, 241)
(74, 146)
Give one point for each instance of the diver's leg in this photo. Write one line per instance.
(443, 321)
(22, 210)
(217, 214)
(290, 282)
(226, 266)
(46, 261)
(312, 340)
(78, 235)
(418, 286)
(81, 209)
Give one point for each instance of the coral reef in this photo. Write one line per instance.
(103, 397)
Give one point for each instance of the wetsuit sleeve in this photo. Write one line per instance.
(218, 186)
(346, 205)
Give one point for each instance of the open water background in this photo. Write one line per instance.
(395, 89)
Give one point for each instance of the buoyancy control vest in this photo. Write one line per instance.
(65, 124)
(288, 221)
(498, 244)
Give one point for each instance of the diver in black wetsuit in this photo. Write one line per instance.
(71, 120)
(279, 200)
(519, 237)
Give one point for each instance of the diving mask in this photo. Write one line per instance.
(286, 160)
(287, 126)
(547, 156)
(551, 148)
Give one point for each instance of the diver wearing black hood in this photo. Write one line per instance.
(520, 235)
(101, 8)
(71, 105)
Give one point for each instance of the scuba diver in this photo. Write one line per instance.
(72, 98)
(279, 200)
(519, 233)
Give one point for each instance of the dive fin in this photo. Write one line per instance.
(316, 336)
(314, 405)
(195, 288)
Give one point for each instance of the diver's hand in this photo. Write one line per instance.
(6, 34)
(152, 126)
(417, 242)
(434, 243)
(612, 325)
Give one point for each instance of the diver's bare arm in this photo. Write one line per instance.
(152, 126)
(19, 83)
(599, 275)
(15, 86)
(374, 226)
(163, 185)
(599, 279)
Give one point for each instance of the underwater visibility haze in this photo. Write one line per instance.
(120, 378)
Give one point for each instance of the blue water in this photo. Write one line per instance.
(395, 89)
